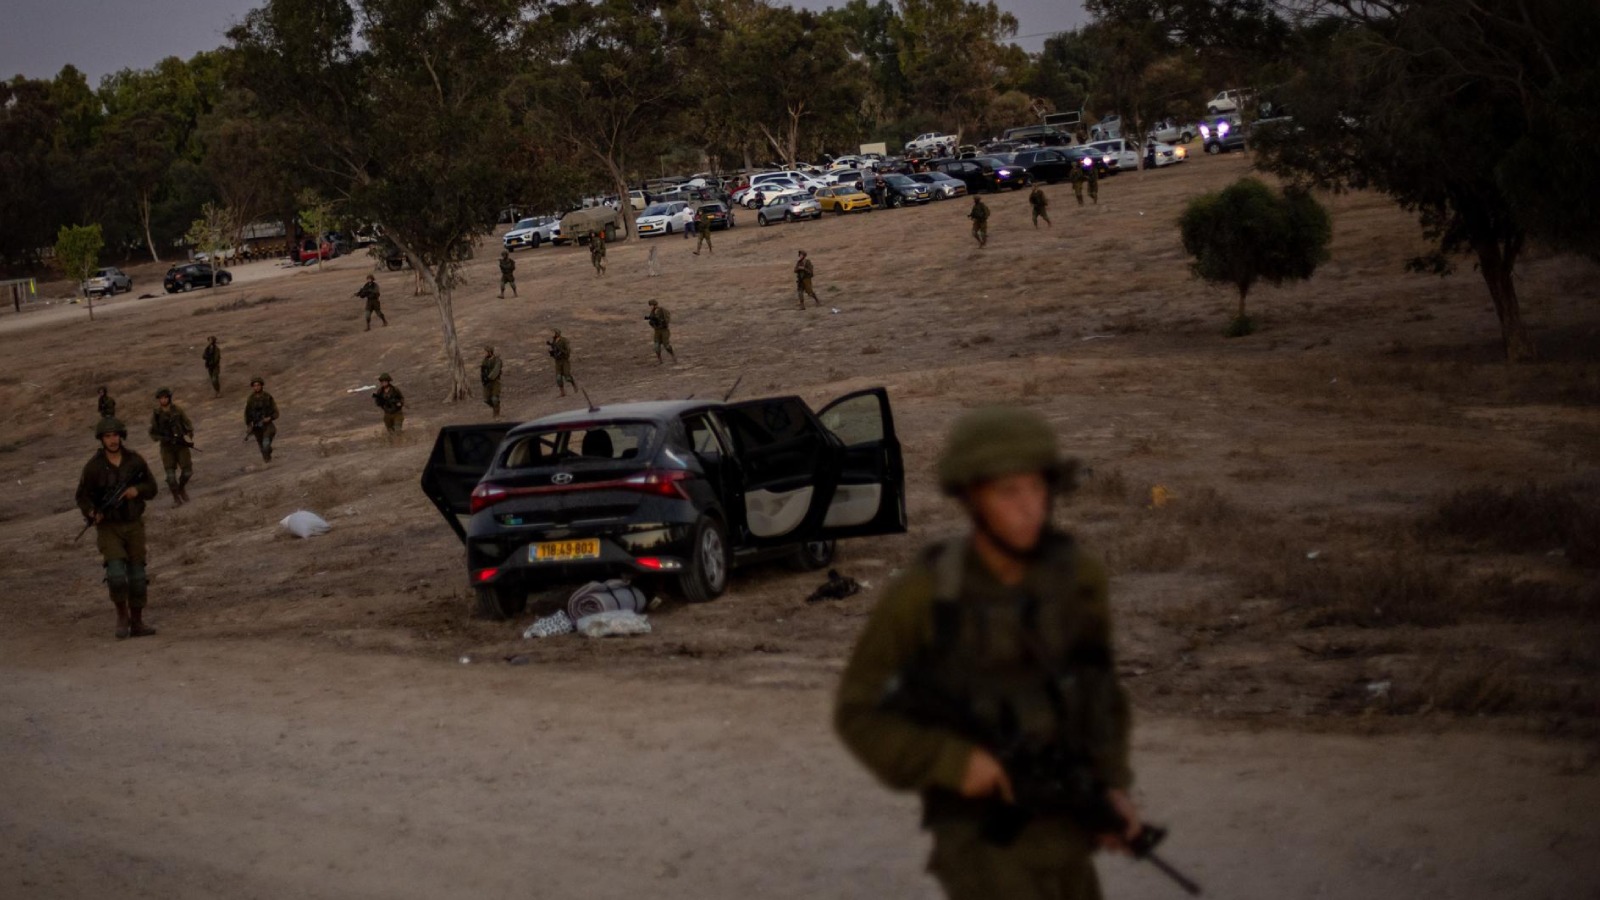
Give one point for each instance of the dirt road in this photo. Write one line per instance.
(266, 770)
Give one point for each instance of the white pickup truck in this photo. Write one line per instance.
(929, 143)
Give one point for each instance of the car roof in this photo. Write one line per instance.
(654, 411)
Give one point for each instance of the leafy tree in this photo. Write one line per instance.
(210, 234)
(1248, 233)
(1475, 115)
(314, 217)
(78, 251)
(954, 57)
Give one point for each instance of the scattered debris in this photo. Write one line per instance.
(518, 659)
(837, 587)
(605, 596)
(550, 626)
(303, 524)
(1313, 554)
(1378, 689)
(364, 387)
(616, 623)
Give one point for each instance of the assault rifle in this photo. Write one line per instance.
(113, 500)
(255, 426)
(1047, 780)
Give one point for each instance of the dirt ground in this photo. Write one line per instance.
(1353, 555)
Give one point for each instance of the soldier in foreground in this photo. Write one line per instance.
(804, 271)
(1041, 206)
(260, 416)
(1078, 177)
(1092, 175)
(369, 291)
(661, 330)
(104, 403)
(980, 222)
(213, 361)
(989, 656)
(489, 373)
(561, 353)
(597, 252)
(703, 229)
(112, 492)
(171, 429)
(392, 402)
(508, 274)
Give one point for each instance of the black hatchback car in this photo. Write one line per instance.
(672, 493)
(194, 275)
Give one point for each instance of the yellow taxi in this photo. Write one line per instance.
(842, 199)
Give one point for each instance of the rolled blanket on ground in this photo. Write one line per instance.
(615, 595)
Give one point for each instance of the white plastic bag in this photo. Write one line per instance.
(303, 524)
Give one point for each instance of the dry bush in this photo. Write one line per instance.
(1103, 484)
(1391, 587)
(1529, 518)
(244, 302)
(1146, 545)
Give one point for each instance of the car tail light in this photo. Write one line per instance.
(487, 495)
(660, 483)
(482, 575)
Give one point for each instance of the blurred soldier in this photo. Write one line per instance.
(392, 402)
(112, 491)
(369, 291)
(489, 373)
(170, 427)
(1009, 629)
(703, 229)
(107, 406)
(213, 360)
(803, 273)
(980, 222)
(1041, 205)
(508, 274)
(661, 327)
(597, 253)
(561, 352)
(1078, 177)
(260, 417)
(1092, 173)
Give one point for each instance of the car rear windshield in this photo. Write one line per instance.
(596, 442)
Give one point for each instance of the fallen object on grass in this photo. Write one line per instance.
(615, 623)
(303, 524)
(605, 596)
(837, 587)
(549, 626)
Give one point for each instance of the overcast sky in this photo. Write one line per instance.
(38, 37)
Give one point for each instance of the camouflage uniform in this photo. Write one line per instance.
(561, 353)
(1092, 173)
(106, 405)
(393, 403)
(661, 328)
(597, 253)
(1078, 178)
(1040, 204)
(980, 221)
(119, 535)
(213, 360)
(370, 292)
(804, 271)
(171, 429)
(508, 274)
(260, 417)
(489, 373)
(703, 229)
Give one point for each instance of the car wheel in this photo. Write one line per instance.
(896, 201)
(1187, 137)
(1212, 110)
(225, 279)
(669, 228)
(1213, 149)
(499, 603)
(707, 577)
(839, 210)
(761, 219)
(534, 242)
(812, 555)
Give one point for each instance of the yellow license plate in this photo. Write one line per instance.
(558, 551)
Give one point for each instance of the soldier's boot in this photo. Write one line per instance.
(183, 487)
(136, 625)
(138, 590)
(659, 360)
(177, 494)
(124, 628)
(117, 586)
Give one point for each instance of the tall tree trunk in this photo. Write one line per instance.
(1244, 291)
(144, 216)
(460, 388)
(87, 298)
(1496, 261)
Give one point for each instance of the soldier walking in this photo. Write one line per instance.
(261, 416)
(703, 229)
(213, 360)
(597, 253)
(508, 274)
(112, 492)
(392, 402)
(106, 405)
(369, 291)
(1040, 204)
(661, 329)
(561, 353)
(980, 222)
(1093, 176)
(1011, 627)
(171, 429)
(489, 373)
(1078, 178)
(804, 271)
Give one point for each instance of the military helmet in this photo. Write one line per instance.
(257, 379)
(996, 441)
(385, 377)
(163, 392)
(110, 425)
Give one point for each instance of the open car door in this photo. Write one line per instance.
(461, 454)
(787, 464)
(870, 494)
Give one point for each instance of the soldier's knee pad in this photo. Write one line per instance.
(172, 475)
(138, 579)
(117, 575)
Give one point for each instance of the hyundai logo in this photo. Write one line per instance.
(561, 478)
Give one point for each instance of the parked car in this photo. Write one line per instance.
(902, 190)
(1046, 164)
(1223, 135)
(664, 218)
(841, 199)
(1103, 162)
(189, 276)
(721, 215)
(1171, 131)
(531, 232)
(789, 208)
(1228, 101)
(107, 282)
(941, 186)
(673, 494)
(1007, 174)
(637, 200)
(977, 174)
(929, 143)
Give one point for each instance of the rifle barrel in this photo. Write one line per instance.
(1167, 869)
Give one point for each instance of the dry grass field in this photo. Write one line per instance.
(1357, 520)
